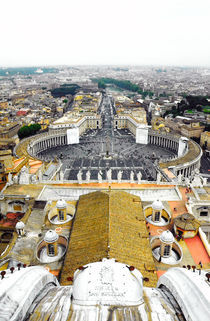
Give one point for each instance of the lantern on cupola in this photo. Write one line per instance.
(157, 208)
(61, 210)
(51, 240)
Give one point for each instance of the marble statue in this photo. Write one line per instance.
(15, 179)
(139, 177)
(131, 177)
(197, 171)
(190, 201)
(197, 181)
(88, 177)
(10, 179)
(179, 178)
(158, 178)
(187, 181)
(109, 175)
(61, 175)
(100, 176)
(40, 175)
(33, 179)
(24, 176)
(79, 176)
(119, 176)
(205, 181)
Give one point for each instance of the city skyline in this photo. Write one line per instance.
(119, 33)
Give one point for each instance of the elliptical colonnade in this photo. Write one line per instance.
(167, 141)
(172, 142)
(48, 141)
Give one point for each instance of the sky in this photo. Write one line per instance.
(119, 32)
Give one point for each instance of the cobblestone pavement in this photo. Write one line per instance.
(108, 148)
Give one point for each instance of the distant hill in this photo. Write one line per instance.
(25, 71)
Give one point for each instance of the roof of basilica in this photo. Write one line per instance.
(109, 225)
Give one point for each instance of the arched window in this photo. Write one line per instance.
(157, 216)
(51, 249)
(61, 215)
(166, 250)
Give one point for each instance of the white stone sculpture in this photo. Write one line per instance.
(61, 175)
(131, 177)
(119, 176)
(197, 171)
(179, 178)
(24, 176)
(100, 176)
(40, 175)
(79, 176)
(197, 181)
(15, 179)
(204, 181)
(109, 175)
(33, 179)
(139, 176)
(10, 179)
(187, 181)
(159, 177)
(88, 177)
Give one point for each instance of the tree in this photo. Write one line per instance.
(101, 84)
(123, 84)
(65, 89)
(27, 131)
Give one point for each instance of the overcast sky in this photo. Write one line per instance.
(50, 32)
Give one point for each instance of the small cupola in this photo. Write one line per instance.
(51, 239)
(61, 210)
(157, 208)
(20, 228)
(167, 240)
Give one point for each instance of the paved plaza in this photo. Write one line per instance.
(105, 149)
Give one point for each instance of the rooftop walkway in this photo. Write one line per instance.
(197, 250)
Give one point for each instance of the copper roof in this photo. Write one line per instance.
(187, 222)
(109, 225)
